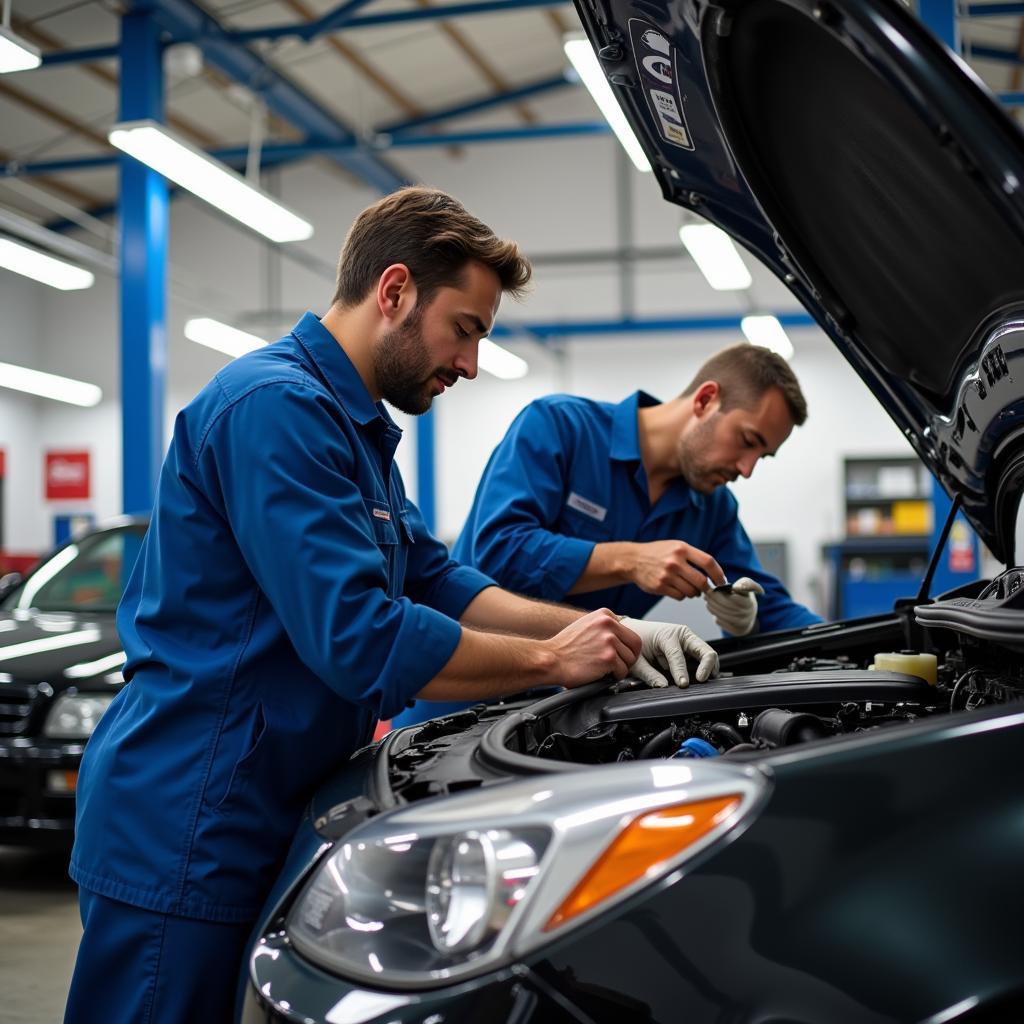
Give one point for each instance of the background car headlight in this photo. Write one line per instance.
(436, 891)
(75, 715)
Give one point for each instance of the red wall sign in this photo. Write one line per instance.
(67, 475)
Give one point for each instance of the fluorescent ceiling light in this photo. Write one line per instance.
(46, 269)
(768, 332)
(49, 385)
(584, 60)
(214, 334)
(188, 166)
(500, 362)
(716, 257)
(17, 54)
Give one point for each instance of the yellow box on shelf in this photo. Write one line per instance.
(912, 517)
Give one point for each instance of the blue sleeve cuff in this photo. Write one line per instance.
(555, 576)
(458, 587)
(425, 642)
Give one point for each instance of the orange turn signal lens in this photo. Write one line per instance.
(640, 849)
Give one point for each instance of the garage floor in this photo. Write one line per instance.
(39, 933)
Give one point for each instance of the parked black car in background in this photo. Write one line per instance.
(60, 667)
(833, 831)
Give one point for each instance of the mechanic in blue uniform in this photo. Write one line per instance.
(288, 595)
(620, 505)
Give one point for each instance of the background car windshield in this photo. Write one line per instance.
(86, 575)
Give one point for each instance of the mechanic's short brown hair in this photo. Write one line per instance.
(434, 236)
(745, 372)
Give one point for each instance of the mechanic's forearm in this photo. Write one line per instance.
(609, 565)
(488, 665)
(495, 609)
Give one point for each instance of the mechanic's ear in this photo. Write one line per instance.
(707, 398)
(396, 291)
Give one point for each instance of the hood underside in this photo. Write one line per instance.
(858, 159)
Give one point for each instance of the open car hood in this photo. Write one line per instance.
(853, 154)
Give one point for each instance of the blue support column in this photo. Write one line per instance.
(940, 17)
(426, 471)
(143, 213)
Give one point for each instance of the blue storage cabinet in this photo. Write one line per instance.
(880, 562)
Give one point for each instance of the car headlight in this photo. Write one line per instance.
(75, 715)
(431, 893)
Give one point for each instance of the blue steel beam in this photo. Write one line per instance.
(546, 331)
(1012, 99)
(524, 134)
(994, 53)
(994, 10)
(940, 17)
(475, 106)
(143, 281)
(58, 57)
(184, 20)
(312, 29)
(281, 152)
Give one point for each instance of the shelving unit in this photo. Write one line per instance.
(889, 523)
(887, 496)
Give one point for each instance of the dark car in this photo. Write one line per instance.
(60, 667)
(833, 830)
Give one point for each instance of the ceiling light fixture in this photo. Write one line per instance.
(229, 340)
(49, 385)
(582, 57)
(768, 332)
(20, 259)
(16, 54)
(156, 146)
(500, 362)
(716, 256)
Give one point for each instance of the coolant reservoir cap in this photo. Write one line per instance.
(924, 666)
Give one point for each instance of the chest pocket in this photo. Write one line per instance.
(382, 523)
(386, 526)
(573, 523)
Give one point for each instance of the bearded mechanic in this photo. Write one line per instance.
(620, 505)
(286, 597)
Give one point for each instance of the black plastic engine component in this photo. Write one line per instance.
(776, 727)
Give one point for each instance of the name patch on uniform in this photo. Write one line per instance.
(587, 507)
(381, 513)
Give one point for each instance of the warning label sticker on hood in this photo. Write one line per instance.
(655, 62)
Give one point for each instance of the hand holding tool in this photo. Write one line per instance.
(734, 605)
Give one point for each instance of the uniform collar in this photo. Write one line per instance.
(337, 370)
(625, 445)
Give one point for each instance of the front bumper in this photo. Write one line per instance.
(37, 790)
(283, 988)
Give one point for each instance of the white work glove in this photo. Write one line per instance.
(735, 612)
(665, 644)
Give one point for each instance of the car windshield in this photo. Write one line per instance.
(87, 575)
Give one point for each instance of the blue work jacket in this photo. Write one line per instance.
(286, 596)
(568, 475)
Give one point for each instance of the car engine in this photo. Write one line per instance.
(774, 692)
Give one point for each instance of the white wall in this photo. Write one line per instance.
(550, 196)
(20, 304)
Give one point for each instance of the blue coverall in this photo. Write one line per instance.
(568, 475)
(287, 595)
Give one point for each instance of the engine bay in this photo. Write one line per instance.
(953, 655)
(773, 693)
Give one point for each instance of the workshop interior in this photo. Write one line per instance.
(338, 335)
